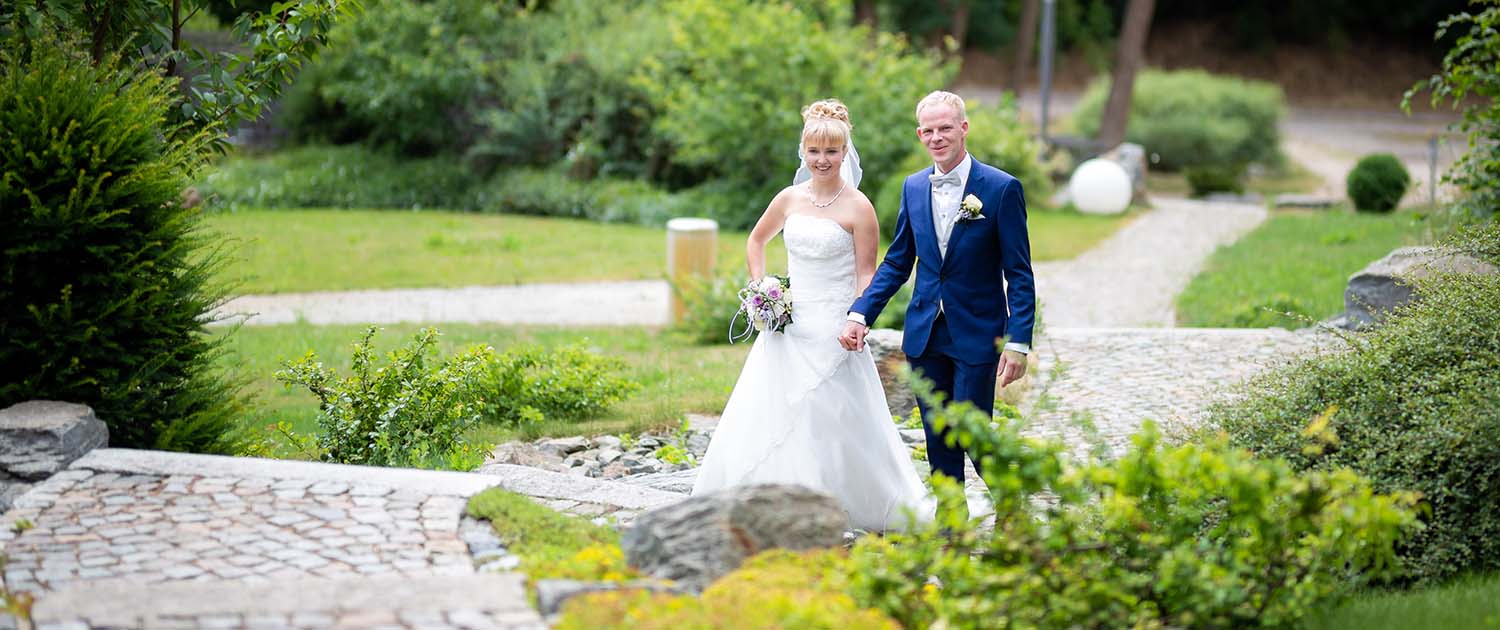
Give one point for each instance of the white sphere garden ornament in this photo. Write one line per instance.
(1100, 186)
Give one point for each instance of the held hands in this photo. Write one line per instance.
(1012, 367)
(853, 338)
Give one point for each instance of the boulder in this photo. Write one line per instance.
(563, 447)
(680, 481)
(890, 362)
(1387, 283)
(702, 538)
(41, 437)
(525, 454)
(1131, 157)
(551, 594)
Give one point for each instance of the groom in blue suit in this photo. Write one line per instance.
(962, 225)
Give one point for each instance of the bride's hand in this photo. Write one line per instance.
(853, 338)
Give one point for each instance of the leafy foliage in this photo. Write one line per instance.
(1193, 536)
(775, 589)
(403, 413)
(1204, 180)
(709, 305)
(1193, 118)
(106, 276)
(1377, 183)
(340, 177)
(1469, 81)
(1414, 405)
(530, 384)
(220, 89)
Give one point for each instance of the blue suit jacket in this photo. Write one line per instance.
(979, 308)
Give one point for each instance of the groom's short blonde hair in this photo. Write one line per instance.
(939, 97)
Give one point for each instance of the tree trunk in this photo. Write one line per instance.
(1129, 56)
(1025, 42)
(864, 13)
(960, 28)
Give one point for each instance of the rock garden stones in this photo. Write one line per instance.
(702, 538)
(41, 437)
(1387, 283)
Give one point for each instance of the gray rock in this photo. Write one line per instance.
(609, 455)
(607, 442)
(698, 444)
(1132, 157)
(680, 481)
(636, 464)
(890, 363)
(913, 436)
(41, 437)
(562, 447)
(702, 538)
(1387, 283)
(526, 454)
(552, 594)
(649, 442)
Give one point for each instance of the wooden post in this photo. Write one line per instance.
(692, 250)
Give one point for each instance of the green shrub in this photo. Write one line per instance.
(403, 413)
(1377, 183)
(996, 137)
(1205, 180)
(1193, 118)
(1467, 79)
(1202, 535)
(106, 278)
(714, 54)
(1414, 404)
(529, 385)
(709, 306)
(775, 589)
(340, 177)
(404, 75)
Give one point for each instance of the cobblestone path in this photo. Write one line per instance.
(1116, 379)
(136, 539)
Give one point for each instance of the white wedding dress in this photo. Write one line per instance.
(805, 411)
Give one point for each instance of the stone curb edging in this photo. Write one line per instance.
(546, 484)
(127, 603)
(131, 461)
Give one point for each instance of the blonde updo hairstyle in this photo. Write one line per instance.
(826, 122)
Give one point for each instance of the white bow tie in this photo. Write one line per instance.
(950, 178)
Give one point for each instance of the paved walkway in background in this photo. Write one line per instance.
(142, 539)
(642, 303)
(1131, 278)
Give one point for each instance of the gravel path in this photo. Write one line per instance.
(1131, 279)
(642, 303)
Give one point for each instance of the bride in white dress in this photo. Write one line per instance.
(805, 410)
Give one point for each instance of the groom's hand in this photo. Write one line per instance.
(1012, 367)
(853, 338)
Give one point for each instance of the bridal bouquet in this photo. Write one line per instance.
(765, 305)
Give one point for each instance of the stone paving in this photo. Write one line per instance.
(141, 539)
(1116, 379)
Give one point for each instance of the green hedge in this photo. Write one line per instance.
(1377, 183)
(1193, 118)
(654, 91)
(106, 276)
(1413, 405)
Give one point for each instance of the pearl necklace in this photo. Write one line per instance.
(814, 200)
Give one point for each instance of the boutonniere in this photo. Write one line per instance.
(969, 209)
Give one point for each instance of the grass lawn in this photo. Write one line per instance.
(284, 251)
(1297, 261)
(1472, 602)
(675, 377)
